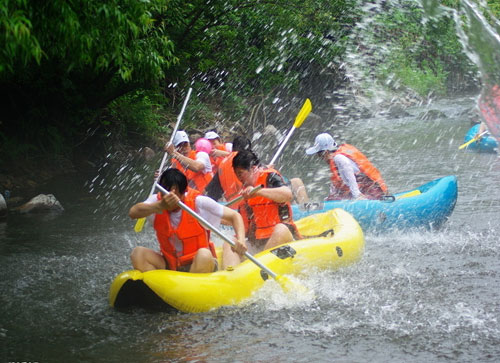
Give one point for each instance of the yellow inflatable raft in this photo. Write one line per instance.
(333, 239)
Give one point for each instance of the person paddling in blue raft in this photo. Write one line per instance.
(353, 176)
(184, 241)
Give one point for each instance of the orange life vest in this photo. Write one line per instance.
(196, 180)
(217, 160)
(189, 232)
(228, 180)
(369, 179)
(261, 215)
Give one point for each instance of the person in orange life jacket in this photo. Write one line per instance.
(195, 165)
(225, 185)
(353, 175)
(219, 149)
(184, 242)
(267, 212)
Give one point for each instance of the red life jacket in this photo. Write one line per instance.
(228, 180)
(261, 215)
(369, 179)
(196, 180)
(490, 110)
(189, 231)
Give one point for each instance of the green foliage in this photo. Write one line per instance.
(494, 6)
(119, 36)
(253, 46)
(17, 42)
(70, 66)
(63, 61)
(424, 79)
(135, 114)
(425, 56)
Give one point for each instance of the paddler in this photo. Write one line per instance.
(267, 212)
(353, 175)
(219, 149)
(195, 164)
(184, 242)
(226, 184)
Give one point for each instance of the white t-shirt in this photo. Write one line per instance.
(206, 207)
(204, 158)
(347, 170)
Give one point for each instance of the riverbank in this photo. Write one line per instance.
(24, 178)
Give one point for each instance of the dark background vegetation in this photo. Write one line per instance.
(79, 77)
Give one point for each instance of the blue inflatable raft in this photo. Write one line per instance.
(487, 143)
(427, 206)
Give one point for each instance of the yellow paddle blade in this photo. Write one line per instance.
(409, 194)
(467, 143)
(303, 113)
(472, 140)
(292, 287)
(139, 224)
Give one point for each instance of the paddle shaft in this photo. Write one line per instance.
(280, 149)
(179, 118)
(237, 199)
(475, 138)
(217, 232)
(299, 119)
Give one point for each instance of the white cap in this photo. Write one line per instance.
(321, 143)
(180, 136)
(211, 135)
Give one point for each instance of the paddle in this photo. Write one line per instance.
(237, 199)
(301, 116)
(284, 282)
(299, 119)
(139, 225)
(475, 138)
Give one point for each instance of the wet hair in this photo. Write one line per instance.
(241, 143)
(171, 177)
(245, 160)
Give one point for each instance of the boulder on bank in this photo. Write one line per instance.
(41, 203)
(147, 153)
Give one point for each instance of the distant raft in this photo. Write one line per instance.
(332, 239)
(486, 144)
(427, 206)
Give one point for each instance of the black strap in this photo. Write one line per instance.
(388, 198)
(324, 234)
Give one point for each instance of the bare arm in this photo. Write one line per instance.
(143, 209)
(233, 218)
(191, 164)
(219, 153)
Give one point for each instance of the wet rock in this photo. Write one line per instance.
(41, 203)
(147, 153)
(270, 130)
(397, 111)
(431, 115)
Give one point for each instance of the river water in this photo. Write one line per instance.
(414, 296)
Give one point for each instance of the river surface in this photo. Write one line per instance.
(413, 297)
